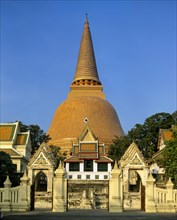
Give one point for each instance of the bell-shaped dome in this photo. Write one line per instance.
(68, 121)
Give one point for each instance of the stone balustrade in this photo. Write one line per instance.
(15, 198)
(159, 199)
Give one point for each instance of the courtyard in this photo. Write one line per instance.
(89, 215)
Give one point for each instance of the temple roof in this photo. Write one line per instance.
(76, 159)
(165, 135)
(10, 132)
(42, 157)
(132, 157)
(86, 70)
(12, 152)
(7, 131)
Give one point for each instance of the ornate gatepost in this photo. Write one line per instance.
(170, 206)
(115, 198)
(59, 190)
(150, 200)
(7, 202)
(25, 199)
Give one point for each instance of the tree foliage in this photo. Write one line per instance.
(169, 158)
(174, 115)
(119, 146)
(56, 153)
(144, 135)
(37, 135)
(8, 168)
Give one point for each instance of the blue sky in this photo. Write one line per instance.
(135, 49)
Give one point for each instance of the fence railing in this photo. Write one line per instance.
(159, 199)
(15, 198)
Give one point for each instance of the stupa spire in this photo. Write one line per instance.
(86, 69)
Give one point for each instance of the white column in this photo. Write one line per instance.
(115, 203)
(82, 167)
(95, 165)
(60, 191)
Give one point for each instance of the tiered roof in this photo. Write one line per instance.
(88, 147)
(10, 132)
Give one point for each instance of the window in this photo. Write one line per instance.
(88, 165)
(102, 167)
(87, 177)
(79, 177)
(105, 177)
(73, 166)
(97, 177)
(70, 176)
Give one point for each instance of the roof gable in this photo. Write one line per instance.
(87, 134)
(136, 160)
(132, 157)
(42, 158)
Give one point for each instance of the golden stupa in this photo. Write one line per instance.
(86, 103)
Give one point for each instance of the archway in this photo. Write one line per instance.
(41, 182)
(41, 198)
(133, 193)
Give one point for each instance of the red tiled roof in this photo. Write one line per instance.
(165, 135)
(104, 159)
(73, 159)
(168, 135)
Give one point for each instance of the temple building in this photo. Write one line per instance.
(86, 101)
(15, 143)
(84, 126)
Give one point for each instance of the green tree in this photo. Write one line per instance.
(169, 158)
(56, 153)
(37, 135)
(118, 148)
(174, 115)
(8, 168)
(144, 135)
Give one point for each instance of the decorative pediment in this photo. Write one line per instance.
(132, 157)
(41, 160)
(136, 160)
(42, 157)
(87, 135)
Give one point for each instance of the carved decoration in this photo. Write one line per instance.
(88, 196)
(136, 161)
(41, 160)
(133, 177)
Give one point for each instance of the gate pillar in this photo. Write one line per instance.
(115, 191)
(59, 190)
